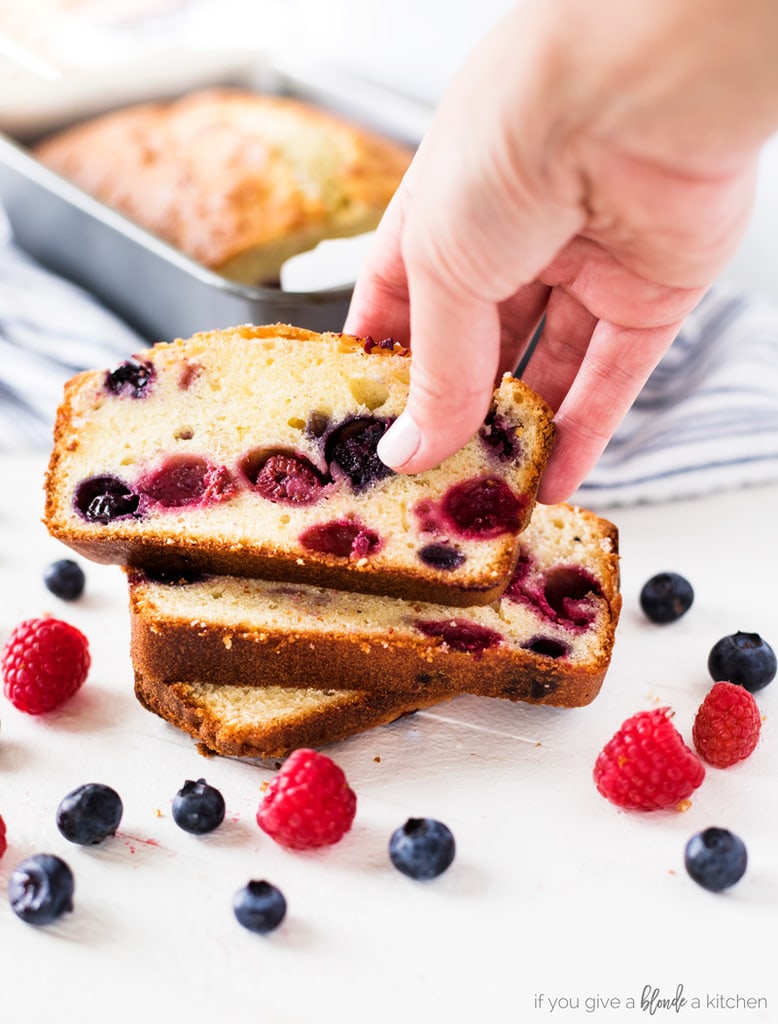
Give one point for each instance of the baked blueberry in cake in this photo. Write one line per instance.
(252, 452)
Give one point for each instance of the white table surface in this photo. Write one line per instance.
(553, 890)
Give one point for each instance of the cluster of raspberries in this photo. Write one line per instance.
(647, 766)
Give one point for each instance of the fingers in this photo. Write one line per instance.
(520, 318)
(613, 370)
(467, 322)
(379, 305)
(567, 331)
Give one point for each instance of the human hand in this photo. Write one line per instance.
(594, 164)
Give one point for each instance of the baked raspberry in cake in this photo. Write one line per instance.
(252, 452)
(547, 640)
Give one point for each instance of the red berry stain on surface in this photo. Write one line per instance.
(482, 508)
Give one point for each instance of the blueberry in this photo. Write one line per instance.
(666, 597)
(198, 807)
(547, 647)
(89, 814)
(352, 447)
(100, 499)
(172, 577)
(259, 906)
(422, 848)
(501, 437)
(130, 379)
(65, 579)
(441, 556)
(40, 889)
(743, 658)
(715, 858)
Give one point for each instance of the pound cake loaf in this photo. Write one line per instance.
(547, 640)
(269, 722)
(252, 452)
(237, 181)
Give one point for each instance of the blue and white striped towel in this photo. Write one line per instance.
(49, 330)
(707, 419)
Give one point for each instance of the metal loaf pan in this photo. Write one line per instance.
(156, 289)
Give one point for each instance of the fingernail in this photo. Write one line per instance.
(400, 443)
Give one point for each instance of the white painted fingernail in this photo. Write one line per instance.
(400, 443)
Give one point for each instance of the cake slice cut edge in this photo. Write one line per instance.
(270, 722)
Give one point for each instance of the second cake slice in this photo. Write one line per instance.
(547, 640)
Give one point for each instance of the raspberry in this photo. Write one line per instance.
(44, 662)
(646, 766)
(308, 804)
(727, 725)
(3, 843)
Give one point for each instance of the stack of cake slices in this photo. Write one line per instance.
(286, 589)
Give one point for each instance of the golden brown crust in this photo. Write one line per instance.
(179, 653)
(223, 174)
(347, 714)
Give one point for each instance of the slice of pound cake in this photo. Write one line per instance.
(252, 452)
(269, 722)
(547, 640)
